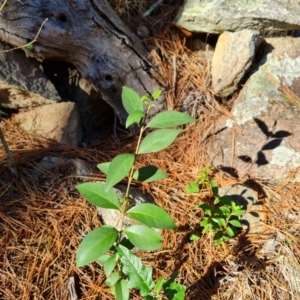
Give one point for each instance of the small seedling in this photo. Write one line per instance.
(202, 179)
(112, 248)
(221, 218)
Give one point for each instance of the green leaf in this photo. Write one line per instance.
(207, 228)
(145, 97)
(174, 290)
(29, 47)
(204, 222)
(102, 259)
(233, 205)
(203, 174)
(229, 231)
(215, 224)
(143, 237)
(114, 277)
(110, 264)
(215, 188)
(122, 290)
(217, 200)
(192, 187)
(220, 241)
(236, 223)
(206, 208)
(222, 222)
(238, 207)
(194, 237)
(134, 117)
(167, 119)
(239, 212)
(152, 216)
(159, 284)
(224, 210)
(218, 235)
(215, 220)
(119, 168)
(225, 200)
(95, 244)
(131, 100)
(226, 238)
(139, 276)
(149, 174)
(103, 167)
(156, 94)
(158, 140)
(95, 193)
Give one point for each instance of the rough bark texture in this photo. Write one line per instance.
(87, 34)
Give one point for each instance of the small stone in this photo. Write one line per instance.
(59, 121)
(233, 57)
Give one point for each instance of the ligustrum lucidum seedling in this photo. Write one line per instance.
(113, 249)
(221, 218)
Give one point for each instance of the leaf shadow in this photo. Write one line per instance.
(274, 140)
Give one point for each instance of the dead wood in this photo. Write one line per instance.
(87, 34)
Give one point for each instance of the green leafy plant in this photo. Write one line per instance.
(221, 218)
(202, 179)
(113, 248)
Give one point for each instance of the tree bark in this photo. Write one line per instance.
(87, 34)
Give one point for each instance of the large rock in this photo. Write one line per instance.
(22, 82)
(216, 16)
(262, 140)
(233, 57)
(59, 121)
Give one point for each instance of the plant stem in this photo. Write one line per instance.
(130, 176)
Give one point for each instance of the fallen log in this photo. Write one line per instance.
(87, 34)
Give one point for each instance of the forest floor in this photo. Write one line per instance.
(43, 218)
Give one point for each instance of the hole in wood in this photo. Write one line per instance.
(108, 78)
(61, 17)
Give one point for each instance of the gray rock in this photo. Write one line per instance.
(59, 121)
(262, 140)
(216, 16)
(48, 163)
(233, 56)
(22, 82)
